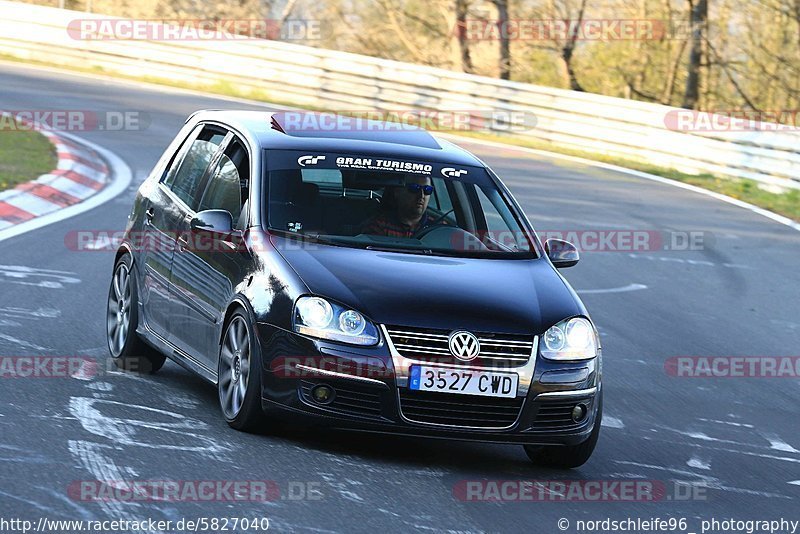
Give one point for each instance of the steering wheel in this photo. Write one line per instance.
(422, 232)
(450, 237)
(437, 223)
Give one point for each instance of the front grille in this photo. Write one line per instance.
(459, 410)
(556, 414)
(352, 400)
(428, 345)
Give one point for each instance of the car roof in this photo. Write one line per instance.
(279, 131)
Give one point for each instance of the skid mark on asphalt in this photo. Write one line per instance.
(708, 481)
(35, 504)
(181, 400)
(344, 489)
(24, 313)
(168, 425)
(29, 276)
(92, 457)
(22, 344)
(165, 430)
(83, 513)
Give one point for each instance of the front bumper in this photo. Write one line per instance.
(372, 394)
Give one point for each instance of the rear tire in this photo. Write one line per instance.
(239, 378)
(128, 351)
(571, 456)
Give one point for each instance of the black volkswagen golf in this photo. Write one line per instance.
(362, 275)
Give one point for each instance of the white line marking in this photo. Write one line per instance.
(30, 276)
(776, 443)
(731, 423)
(86, 372)
(612, 422)
(697, 463)
(21, 343)
(121, 178)
(624, 289)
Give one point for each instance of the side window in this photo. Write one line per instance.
(184, 177)
(441, 199)
(499, 219)
(227, 188)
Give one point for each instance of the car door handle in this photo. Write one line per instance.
(149, 214)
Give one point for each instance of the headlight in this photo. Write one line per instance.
(315, 316)
(573, 339)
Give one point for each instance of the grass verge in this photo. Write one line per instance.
(786, 204)
(24, 154)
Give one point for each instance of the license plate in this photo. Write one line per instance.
(463, 382)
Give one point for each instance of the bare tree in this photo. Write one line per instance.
(505, 50)
(698, 20)
(462, 10)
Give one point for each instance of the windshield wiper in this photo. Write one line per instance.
(423, 251)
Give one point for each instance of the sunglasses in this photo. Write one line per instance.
(416, 188)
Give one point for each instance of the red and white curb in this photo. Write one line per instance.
(81, 173)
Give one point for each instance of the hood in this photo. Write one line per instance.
(482, 295)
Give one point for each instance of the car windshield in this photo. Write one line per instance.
(381, 203)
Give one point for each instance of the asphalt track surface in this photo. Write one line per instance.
(735, 440)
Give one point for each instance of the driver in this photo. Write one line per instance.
(404, 209)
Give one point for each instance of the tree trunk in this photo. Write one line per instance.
(698, 17)
(505, 50)
(569, 48)
(463, 40)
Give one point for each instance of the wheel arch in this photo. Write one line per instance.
(239, 302)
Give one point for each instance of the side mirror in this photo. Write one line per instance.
(214, 221)
(563, 254)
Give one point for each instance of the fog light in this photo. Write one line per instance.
(579, 413)
(323, 394)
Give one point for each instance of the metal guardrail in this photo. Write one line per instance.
(336, 81)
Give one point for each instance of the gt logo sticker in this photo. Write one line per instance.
(450, 172)
(309, 160)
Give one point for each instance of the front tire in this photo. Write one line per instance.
(128, 351)
(239, 383)
(571, 456)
